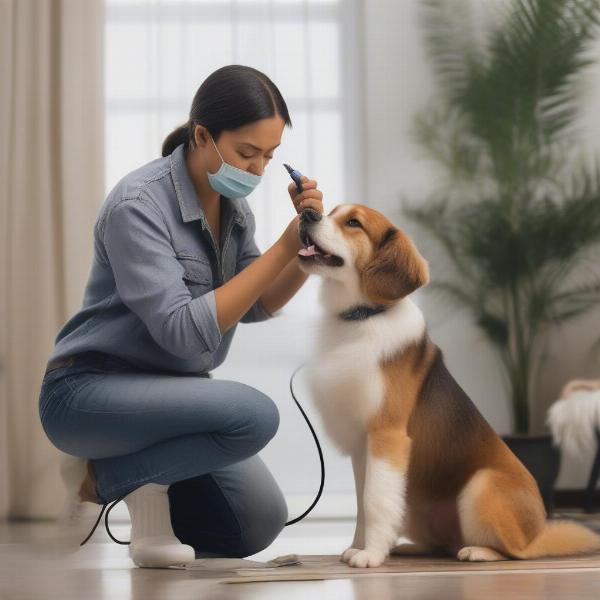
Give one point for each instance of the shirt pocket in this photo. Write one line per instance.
(197, 273)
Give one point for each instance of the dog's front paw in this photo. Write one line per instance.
(347, 553)
(366, 558)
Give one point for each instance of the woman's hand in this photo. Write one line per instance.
(311, 196)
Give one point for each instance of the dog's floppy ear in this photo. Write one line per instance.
(396, 270)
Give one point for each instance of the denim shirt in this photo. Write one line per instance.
(150, 294)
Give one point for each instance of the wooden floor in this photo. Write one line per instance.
(102, 570)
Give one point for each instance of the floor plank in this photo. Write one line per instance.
(102, 569)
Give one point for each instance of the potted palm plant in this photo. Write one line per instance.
(517, 213)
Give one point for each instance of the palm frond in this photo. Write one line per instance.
(449, 42)
(439, 130)
(495, 327)
(574, 302)
(525, 90)
(430, 218)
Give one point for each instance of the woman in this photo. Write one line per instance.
(128, 394)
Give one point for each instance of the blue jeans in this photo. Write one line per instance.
(198, 434)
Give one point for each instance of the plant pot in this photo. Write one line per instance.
(541, 459)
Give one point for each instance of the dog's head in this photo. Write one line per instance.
(358, 245)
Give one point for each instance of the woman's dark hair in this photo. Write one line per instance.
(230, 97)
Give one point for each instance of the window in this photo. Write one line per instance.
(158, 52)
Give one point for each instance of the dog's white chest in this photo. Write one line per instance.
(344, 375)
(347, 388)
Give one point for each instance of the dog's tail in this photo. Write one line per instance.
(560, 538)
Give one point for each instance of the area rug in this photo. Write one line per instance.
(294, 567)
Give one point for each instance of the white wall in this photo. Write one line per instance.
(397, 83)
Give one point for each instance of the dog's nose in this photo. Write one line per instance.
(310, 215)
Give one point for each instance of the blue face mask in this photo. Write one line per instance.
(231, 181)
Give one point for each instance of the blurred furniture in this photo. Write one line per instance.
(588, 503)
(574, 420)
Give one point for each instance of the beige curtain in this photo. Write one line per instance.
(51, 184)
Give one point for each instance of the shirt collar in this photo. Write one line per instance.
(187, 198)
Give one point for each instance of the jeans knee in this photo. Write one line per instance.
(266, 417)
(268, 523)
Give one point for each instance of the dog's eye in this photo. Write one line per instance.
(353, 223)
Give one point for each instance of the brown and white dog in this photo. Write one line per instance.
(427, 465)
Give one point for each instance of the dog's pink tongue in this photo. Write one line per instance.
(310, 251)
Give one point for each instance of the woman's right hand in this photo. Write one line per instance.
(310, 197)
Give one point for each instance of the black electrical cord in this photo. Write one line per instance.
(319, 450)
(112, 504)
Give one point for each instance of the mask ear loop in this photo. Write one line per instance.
(222, 159)
(215, 145)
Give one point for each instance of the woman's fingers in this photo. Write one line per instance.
(309, 197)
(315, 203)
(307, 184)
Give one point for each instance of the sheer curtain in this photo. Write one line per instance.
(51, 181)
(158, 52)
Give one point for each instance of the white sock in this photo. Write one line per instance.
(148, 508)
(153, 543)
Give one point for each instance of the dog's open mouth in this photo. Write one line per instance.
(313, 252)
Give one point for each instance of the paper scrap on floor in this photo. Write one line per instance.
(236, 564)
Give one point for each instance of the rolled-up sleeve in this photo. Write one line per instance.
(249, 252)
(149, 280)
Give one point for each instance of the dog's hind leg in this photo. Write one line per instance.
(479, 553)
(499, 516)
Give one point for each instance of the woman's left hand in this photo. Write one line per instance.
(311, 196)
